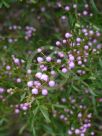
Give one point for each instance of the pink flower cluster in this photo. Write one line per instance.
(70, 53)
(21, 107)
(74, 110)
(29, 30)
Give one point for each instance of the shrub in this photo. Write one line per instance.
(50, 68)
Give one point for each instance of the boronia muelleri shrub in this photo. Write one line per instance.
(50, 68)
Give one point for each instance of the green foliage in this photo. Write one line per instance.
(45, 23)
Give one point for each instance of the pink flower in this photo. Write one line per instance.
(51, 83)
(30, 83)
(44, 92)
(35, 91)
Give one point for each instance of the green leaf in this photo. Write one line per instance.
(1, 4)
(94, 6)
(59, 106)
(49, 130)
(33, 130)
(22, 97)
(100, 62)
(45, 113)
(22, 129)
(33, 126)
(75, 88)
(35, 111)
(34, 1)
(6, 4)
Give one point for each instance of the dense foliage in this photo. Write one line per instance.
(50, 68)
